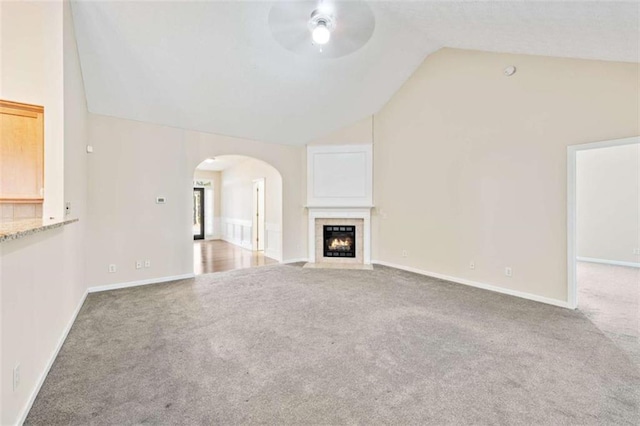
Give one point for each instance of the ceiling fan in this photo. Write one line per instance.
(322, 28)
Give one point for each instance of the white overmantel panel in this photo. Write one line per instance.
(340, 175)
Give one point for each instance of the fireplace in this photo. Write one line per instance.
(335, 248)
(339, 241)
(339, 195)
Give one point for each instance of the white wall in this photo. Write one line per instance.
(608, 201)
(32, 72)
(42, 276)
(470, 165)
(133, 163)
(237, 204)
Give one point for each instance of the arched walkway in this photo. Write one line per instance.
(237, 214)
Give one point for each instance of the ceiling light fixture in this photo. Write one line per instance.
(321, 33)
(328, 29)
(321, 26)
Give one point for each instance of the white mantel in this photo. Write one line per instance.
(340, 186)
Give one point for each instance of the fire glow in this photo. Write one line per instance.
(340, 244)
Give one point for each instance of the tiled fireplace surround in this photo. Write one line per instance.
(339, 192)
(358, 217)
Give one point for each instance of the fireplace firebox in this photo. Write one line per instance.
(339, 241)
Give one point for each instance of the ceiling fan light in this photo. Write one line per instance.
(321, 33)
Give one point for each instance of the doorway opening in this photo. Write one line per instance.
(242, 214)
(257, 237)
(604, 237)
(198, 213)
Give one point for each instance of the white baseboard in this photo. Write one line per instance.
(108, 287)
(608, 262)
(54, 355)
(240, 243)
(272, 254)
(476, 284)
(284, 262)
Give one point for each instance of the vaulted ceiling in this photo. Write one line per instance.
(217, 67)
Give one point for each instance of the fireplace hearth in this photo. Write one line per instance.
(339, 241)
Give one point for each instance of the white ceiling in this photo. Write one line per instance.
(222, 162)
(215, 66)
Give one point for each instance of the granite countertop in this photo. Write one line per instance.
(17, 229)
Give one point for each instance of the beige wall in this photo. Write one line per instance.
(32, 72)
(126, 225)
(237, 191)
(357, 133)
(470, 165)
(607, 201)
(238, 200)
(42, 276)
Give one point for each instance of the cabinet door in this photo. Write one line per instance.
(21, 152)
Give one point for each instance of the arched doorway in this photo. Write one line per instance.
(237, 214)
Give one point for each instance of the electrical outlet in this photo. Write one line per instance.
(138, 264)
(508, 272)
(636, 251)
(112, 268)
(405, 253)
(147, 264)
(472, 265)
(16, 377)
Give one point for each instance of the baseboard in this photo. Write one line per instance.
(608, 262)
(116, 286)
(272, 254)
(284, 262)
(476, 284)
(43, 376)
(240, 243)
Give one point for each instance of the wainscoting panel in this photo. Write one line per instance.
(237, 231)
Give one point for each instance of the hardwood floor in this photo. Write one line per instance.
(217, 256)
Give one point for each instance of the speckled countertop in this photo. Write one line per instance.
(17, 229)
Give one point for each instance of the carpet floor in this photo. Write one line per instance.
(286, 345)
(609, 296)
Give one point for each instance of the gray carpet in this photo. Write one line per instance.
(286, 345)
(609, 296)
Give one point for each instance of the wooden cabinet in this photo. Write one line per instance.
(21, 153)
